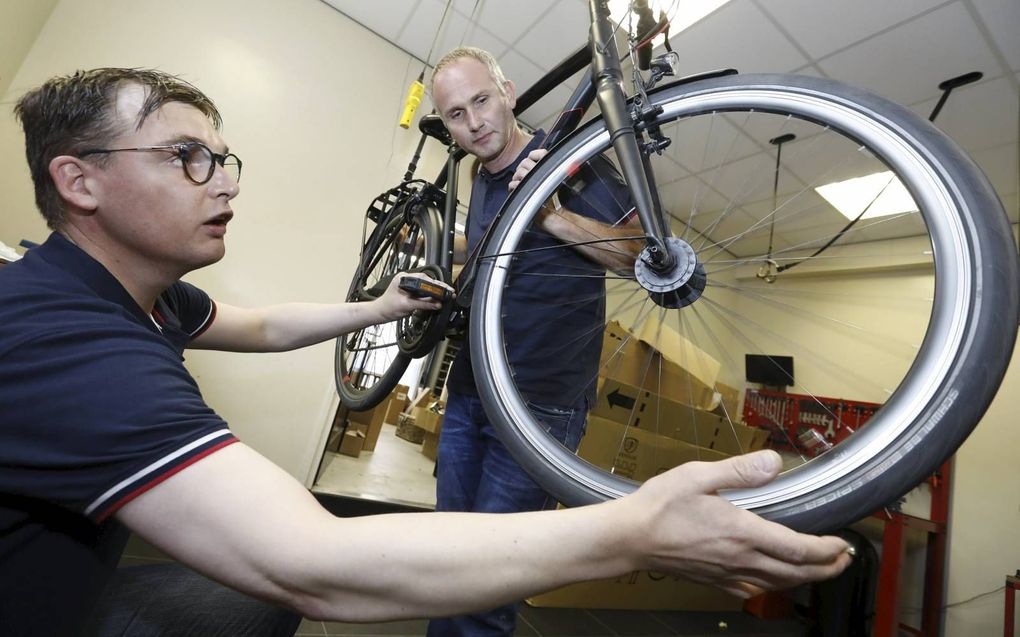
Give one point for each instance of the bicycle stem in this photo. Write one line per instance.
(608, 79)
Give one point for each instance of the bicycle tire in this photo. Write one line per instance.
(965, 338)
(365, 372)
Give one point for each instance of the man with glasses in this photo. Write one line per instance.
(198, 160)
(102, 429)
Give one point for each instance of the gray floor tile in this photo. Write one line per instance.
(633, 623)
(389, 629)
(524, 627)
(565, 622)
(310, 627)
(691, 624)
(140, 550)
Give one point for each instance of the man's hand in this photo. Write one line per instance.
(689, 530)
(552, 206)
(526, 165)
(396, 303)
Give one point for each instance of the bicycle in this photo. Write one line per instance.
(716, 270)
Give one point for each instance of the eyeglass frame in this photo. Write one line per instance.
(180, 149)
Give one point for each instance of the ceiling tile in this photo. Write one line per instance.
(1000, 166)
(736, 232)
(891, 227)
(821, 158)
(738, 36)
(510, 20)
(980, 115)
(823, 27)
(1002, 18)
(804, 211)
(385, 19)
(522, 72)
(701, 144)
(908, 63)
(563, 29)
(692, 197)
(544, 112)
(418, 35)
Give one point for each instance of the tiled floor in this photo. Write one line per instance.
(395, 471)
(566, 622)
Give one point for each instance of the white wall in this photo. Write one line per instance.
(20, 21)
(310, 102)
(985, 515)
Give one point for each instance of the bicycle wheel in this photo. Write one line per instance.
(368, 362)
(908, 319)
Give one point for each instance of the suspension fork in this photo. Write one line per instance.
(608, 78)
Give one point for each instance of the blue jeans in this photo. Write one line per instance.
(476, 473)
(171, 599)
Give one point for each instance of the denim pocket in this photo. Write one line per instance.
(566, 425)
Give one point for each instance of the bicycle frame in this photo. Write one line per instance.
(604, 84)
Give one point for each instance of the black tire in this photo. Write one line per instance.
(952, 361)
(368, 363)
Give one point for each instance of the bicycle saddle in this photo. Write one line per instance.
(433, 126)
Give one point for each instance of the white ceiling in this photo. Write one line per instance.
(901, 49)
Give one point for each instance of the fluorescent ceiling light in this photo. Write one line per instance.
(881, 194)
(682, 13)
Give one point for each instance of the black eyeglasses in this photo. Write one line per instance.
(197, 159)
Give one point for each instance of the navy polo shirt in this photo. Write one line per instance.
(556, 297)
(96, 407)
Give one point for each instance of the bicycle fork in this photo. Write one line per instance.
(667, 268)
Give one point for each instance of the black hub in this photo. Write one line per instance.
(675, 286)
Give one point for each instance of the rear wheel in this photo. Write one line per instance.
(369, 361)
(900, 326)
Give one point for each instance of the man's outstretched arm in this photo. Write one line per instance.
(238, 518)
(277, 328)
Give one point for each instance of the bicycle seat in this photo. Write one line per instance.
(433, 126)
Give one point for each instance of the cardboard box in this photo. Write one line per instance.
(407, 430)
(430, 417)
(729, 401)
(679, 350)
(636, 453)
(353, 441)
(374, 418)
(642, 409)
(397, 402)
(430, 445)
(679, 370)
(393, 411)
(336, 429)
(640, 590)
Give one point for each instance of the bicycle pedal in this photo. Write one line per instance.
(423, 289)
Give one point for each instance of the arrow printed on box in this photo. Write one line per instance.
(616, 399)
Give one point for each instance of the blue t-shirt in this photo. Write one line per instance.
(554, 307)
(96, 407)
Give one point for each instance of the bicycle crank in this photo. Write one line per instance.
(677, 285)
(419, 333)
